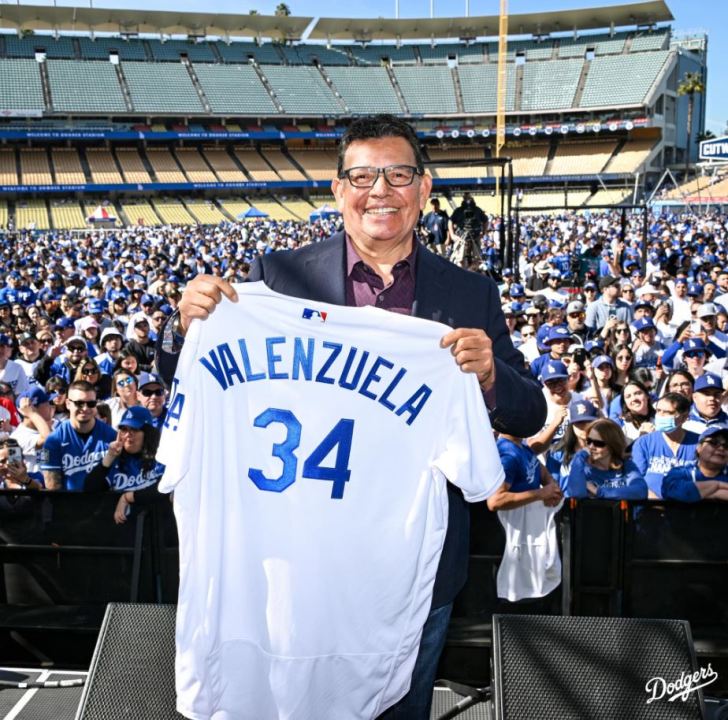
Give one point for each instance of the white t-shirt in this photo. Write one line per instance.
(308, 447)
(14, 375)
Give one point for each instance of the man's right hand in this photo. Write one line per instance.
(201, 296)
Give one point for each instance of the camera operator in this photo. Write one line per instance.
(467, 226)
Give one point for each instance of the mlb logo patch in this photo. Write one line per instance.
(310, 314)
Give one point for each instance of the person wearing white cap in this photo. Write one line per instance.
(111, 343)
(716, 340)
(11, 373)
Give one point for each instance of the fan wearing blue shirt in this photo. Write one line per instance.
(707, 478)
(78, 443)
(601, 470)
(669, 446)
(706, 409)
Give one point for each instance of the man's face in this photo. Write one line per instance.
(576, 320)
(151, 396)
(611, 292)
(141, 330)
(681, 290)
(81, 414)
(708, 401)
(77, 352)
(29, 348)
(381, 214)
(708, 324)
(559, 348)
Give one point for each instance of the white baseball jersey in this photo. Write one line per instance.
(308, 447)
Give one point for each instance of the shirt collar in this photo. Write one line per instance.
(352, 257)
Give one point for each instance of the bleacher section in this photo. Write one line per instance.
(631, 157)
(173, 212)
(139, 212)
(617, 80)
(90, 86)
(480, 87)
(34, 168)
(240, 52)
(67, 215)
(20, 85)
(365, 89)
(165, 166)
(550, 85)
(300, 208)
(581, 158)
(101, 47)
(255, 165)
(375, 54)
(457, 153)
(318, 164)
(61, 47)
(67, 166)
(234, 89)
(223, 165)
(31, 214)
(234, 207)
(274, 209)
(161, 87)
(132, 166)
(3, 214)
(302, 90)
(427, 87)
(602, 44)
(305, 54)
(282, 165)
(103, 167)
(194, 165)
(527, 160)
(171, 50)
(205, 211)
(8, 168)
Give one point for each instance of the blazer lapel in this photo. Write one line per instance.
(325, 271)
(432, 287)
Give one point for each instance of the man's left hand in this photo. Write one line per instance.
(473, 352)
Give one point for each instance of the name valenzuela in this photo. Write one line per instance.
(325, 362)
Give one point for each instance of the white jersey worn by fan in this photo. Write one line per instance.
(308, 447)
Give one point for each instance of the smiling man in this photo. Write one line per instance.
(381, 188)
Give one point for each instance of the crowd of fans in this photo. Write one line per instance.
(631, 360)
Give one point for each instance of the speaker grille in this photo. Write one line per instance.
(578, 668)
(132, 671)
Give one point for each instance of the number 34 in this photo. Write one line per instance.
(340, 437)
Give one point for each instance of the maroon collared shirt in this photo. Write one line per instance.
(365, 287)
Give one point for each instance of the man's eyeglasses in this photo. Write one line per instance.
(89, 371)
(716, 443)
(84, 403)
(694, 354)
(76, 348)
(124, 382)
(577, 315)
(627, 290)
(156, 393)
(366, 177)
(595, 443)
(158, 318)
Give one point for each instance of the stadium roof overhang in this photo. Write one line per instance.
(86, 19)
(543, 23)
(90, 19)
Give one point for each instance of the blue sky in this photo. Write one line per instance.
(690, 15)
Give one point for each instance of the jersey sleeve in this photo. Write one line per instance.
(179, 424)
(51, 453)
(678, 485)
(470, 457)
(640, 453)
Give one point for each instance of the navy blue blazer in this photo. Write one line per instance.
(447, 294)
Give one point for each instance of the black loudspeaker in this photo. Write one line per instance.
(584, 668)
(132, 670)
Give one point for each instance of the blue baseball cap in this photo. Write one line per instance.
(516, 290)
(558, 333)
(6, 340)
(146, 378)
(644, 323)
(147, 299)
(708, 382)
(695, 289)
(64, 323)
(600, 360)
(591, 345)
(554, 370)
(694, 345)
(136, 417)
(36, 395)
(96, 306)
(582, 411)
(713, 430)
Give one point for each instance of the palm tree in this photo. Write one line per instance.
(691, 84)
(283, 9)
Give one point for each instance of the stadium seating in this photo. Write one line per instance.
(621, 79)
(234, 89)
(161, 88)
(31, 214)
(67, 166)
(474, 53)
(581, 158)
(375, 54)
(318, 164)
(282, 165)
(656, 40)
(171, 50)
(425, 87)
(532, 200)
(299, 208)
(3, 214)
(240, 52)
(205, 212)
(275, 210)
(67, 215)
(34, 167)
(305, 54)
(132, 166)
(103, 167)
(302, 90)
(234, 207)
(165, 166)
(194, 165)
(365, 89)
(480, 87)
(528, 160)
(8, 168)
(100, 48)
(603, 44)
(139, 212)
(20, 85)
(608, 197)
(631, 157)
(61, 47)
(550, 85)
(223, 165)
(90, 86)
(173, 212)
(471, 152)
(255, 165)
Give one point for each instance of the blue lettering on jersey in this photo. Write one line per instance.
(323, 362)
